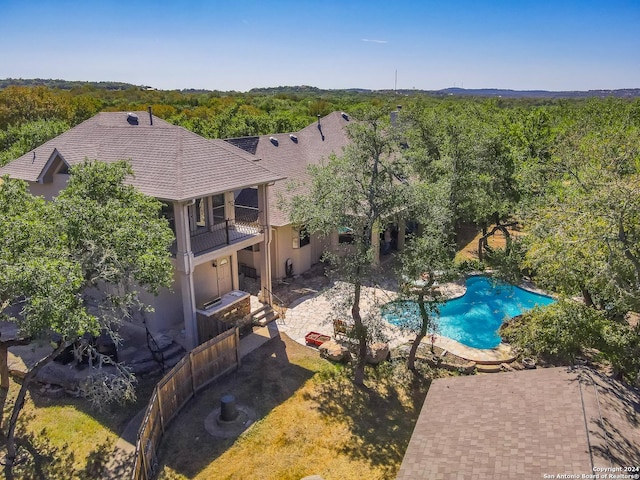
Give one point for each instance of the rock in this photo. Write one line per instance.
(377, 353)
(506, 367)
(64, 376)
(467, 368)
(334, 351)
(52, 391)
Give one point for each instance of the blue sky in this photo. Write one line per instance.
(242, 44)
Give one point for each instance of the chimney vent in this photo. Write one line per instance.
(150, 116)
(132, 118)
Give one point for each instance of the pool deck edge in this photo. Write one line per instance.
(488, 356)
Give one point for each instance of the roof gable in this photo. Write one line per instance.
(55, 164)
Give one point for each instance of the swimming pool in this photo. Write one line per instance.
(474, 318)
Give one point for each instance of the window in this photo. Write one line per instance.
(201, 212)
(345, 235)
(167, 212)
(302, 238)
(198, 213)
(218, 208)
(305, 238)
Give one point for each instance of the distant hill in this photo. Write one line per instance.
(311, 91)
(66, 84)
(479, 92)
(495, 92)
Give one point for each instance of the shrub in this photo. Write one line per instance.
(558, 331)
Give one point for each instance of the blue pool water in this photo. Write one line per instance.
(474, 318)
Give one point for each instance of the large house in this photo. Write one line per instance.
(221, 200)
(197, 179)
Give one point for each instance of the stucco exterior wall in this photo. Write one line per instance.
(49, 190)
(167, 307)
(212, 280)
(302, 258)
(250, 259)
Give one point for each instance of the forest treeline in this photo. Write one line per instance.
(30, 115)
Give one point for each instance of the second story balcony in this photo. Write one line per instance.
(224, 232)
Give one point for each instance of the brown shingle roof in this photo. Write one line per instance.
(290, 157)
(523, 425)
(169, 162)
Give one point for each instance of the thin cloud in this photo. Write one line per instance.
(374, 41)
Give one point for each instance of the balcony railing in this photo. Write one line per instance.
(246, 224)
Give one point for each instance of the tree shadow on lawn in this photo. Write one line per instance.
(39, 458)
(381, 415)
(266, 378)
(114, 417)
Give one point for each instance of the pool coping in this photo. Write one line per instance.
(501, 353)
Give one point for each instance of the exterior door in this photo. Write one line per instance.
(224, 276)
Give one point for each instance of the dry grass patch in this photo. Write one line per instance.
(63, 437)
(311, 420)
(469, 235)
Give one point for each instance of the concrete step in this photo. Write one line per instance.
(264, 315)
(483, 368)
(144, 362)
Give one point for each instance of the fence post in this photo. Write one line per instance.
(193, 380)
(160, 409)
(237, 342)
(145, 463)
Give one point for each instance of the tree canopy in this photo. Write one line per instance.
(75, 266)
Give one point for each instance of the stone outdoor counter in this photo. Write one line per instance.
(225, 314)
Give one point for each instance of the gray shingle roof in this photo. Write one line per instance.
(169, 162)
(289, 157)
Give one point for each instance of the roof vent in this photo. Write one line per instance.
(132, 118)
(345, 116)
(274, 140)
(293, 138)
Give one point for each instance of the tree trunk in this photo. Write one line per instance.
(4, 367)
(586, 296)
(411, 360)
(17, 407)
(481, 242)
(361, 335)
(424, 329)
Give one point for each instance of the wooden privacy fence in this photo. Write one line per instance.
(194, 371)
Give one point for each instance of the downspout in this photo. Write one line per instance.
(271, 232)
(275, 248)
